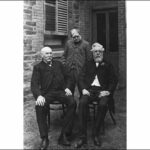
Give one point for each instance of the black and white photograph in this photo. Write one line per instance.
(74, 74)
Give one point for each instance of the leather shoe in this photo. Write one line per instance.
(63, 140)
(44, 144)
(80, 143)
(97, 141)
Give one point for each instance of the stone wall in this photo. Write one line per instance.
(85, 19)
(33, 37)
(73, 15)
(79, 17)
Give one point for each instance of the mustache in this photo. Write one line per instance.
(97, 56)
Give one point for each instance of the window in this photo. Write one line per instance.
(56, 17)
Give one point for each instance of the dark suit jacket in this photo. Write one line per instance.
(43, 74)
(105, 74)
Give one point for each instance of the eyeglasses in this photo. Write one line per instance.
(75, 36)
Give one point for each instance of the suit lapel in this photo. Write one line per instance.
(101, 72)
(49, 74)
(94, 70)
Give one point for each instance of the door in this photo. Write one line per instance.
(105, 31)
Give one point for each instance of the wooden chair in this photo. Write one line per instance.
(110, 108)
(58, 106)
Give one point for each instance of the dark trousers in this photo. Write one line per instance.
(41, 112)
(75, 76)
(83, 112)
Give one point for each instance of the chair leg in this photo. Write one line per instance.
(103, 124)
(63, 107)
(94, 112)
(103, 128)
(112, 117)
(48, 117)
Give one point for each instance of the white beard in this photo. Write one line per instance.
(98, 59)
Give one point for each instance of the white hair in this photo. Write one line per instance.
(97, 46)
(44, 49)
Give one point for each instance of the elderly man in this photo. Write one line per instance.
(51, 81)
(97, 81)
(77, 52)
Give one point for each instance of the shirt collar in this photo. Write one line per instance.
(97, 64)
(49, 63)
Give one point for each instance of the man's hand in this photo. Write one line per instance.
(68, 92)
(40, 101)
(85, 92)
(104, 93)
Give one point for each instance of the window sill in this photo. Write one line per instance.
(49, 33)
(58, 53)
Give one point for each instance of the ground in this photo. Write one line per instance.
(114, 137)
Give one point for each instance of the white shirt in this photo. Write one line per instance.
(96, 81)
(97, 64)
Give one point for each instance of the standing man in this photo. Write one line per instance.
(97, 81)
(49, 82)
(77, 52)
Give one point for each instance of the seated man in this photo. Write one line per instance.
(47, 85)
(97, 81)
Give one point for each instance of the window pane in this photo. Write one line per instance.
(50, 18)
(101, 29)
(113, 31)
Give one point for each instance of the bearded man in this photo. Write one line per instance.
(97, 82)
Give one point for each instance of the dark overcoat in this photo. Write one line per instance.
(43, 75)
(104, 72)
(106, 76)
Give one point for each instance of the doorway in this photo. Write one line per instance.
(105, 31)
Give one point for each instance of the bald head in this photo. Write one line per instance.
(45, 49)
(75, 32)
(46, 54)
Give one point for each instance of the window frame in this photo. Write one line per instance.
(56, 32)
